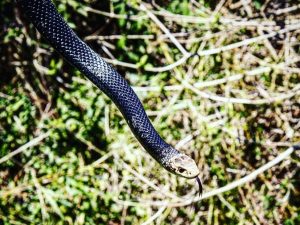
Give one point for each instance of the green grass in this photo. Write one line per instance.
(91, 170)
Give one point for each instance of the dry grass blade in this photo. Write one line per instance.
(29, 144)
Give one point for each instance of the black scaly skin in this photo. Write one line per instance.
(43, 14)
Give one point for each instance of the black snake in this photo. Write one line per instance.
(44, 16)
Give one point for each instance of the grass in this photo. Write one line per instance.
(233, 109)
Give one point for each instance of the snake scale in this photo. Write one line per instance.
(46, 19)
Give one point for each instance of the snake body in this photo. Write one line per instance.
(46, 19)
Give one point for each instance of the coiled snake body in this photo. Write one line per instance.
(43, 14)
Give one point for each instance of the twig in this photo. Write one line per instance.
(287, 10)
(37, 185)
(132, 36)
(248, 41)
(113, 15)
(155, 216)
(150, 69)
(245, 179)
(203, 53)
(183, 18)
(169, 67)
(235, 77)
(247, 23)
(204, 84)
(2, 95)
(29, 144)
(279, 97)
(165, 30)
(221, 190)
(120, 63)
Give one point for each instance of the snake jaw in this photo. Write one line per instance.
(184, 166)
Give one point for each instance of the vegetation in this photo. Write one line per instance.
(233, 107)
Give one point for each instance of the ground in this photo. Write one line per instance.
(220, 80)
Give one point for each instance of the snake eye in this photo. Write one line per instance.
(181, 170)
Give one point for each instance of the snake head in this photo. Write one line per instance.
(184, 166)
